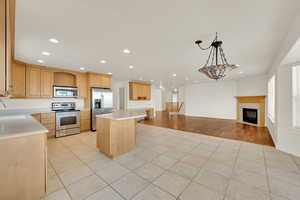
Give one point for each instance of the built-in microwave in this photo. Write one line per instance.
(65, 92)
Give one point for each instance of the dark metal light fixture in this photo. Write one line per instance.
(216, 64)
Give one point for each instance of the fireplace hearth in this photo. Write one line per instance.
(250, 115)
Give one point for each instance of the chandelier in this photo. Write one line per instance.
(216, 64)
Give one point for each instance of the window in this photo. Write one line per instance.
(296, 96)
(271, 98)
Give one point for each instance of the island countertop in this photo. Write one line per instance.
(124, 114)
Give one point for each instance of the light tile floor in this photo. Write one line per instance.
(168, 164)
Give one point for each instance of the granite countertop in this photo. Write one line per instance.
(19, 125)
(124, 114)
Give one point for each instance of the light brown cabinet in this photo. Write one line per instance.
(39, 82)
(81, 82)
(64, 78)
(139, 91)
(33, 82)
(85, 120)
(18, 79)
(23, 168)
(46, 83)
(7, 13)
(99, 80)
(47, 120)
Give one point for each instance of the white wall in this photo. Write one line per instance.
(285, 136)
(252, 86)
(216, 100)
(288, 137)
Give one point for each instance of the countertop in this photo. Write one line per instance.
(124, 114)
(19, 125)
(14, 112)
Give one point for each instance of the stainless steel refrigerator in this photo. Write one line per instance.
(101, 103)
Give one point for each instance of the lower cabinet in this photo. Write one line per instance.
(85, 120)
(23, 168)
(48, 121)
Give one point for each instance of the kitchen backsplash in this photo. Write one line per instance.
(37, 103)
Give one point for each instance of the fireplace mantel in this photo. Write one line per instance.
(252, 99)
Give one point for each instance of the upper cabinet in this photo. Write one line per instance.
(139, 91)
(18, 79)
(81, 82)
(99, 80)
(64, 79)
(7, 14)
(46, 83)
(33, 81)
(39, 82)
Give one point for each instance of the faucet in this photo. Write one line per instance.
(3, 104)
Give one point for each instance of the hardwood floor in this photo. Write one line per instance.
(214, 127)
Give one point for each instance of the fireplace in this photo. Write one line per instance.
(251, 110)
(250, 115)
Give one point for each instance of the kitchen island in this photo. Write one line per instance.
(116, 131)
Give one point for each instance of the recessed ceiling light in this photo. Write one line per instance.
(81, 68)
(130, 67)
(53, 40)
(109, 73)
(126, 51)
(45, 53)
(174, 75)
(40, 61)
(103, 61)
(152, 80)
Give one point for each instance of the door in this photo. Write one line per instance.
(46, 83)
(33, 81)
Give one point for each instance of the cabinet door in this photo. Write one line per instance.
(135, 91)
(18, 80)
(105, 81)
(148, 92)
(81, 82)
(46, 83)
(2, 49)
(33, 82)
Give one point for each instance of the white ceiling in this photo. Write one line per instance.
(160, 34)
(293, 55)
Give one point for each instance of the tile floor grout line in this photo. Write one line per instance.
(267, 175)
(233, 170)
(65, 187)
(191, 181)
(94, 173)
